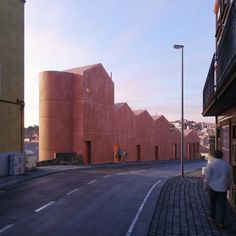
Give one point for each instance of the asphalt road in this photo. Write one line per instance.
(99, 201)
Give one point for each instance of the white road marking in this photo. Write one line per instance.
(43, 207)
(92, 181)
(6, 228)
(106, 176)
(130, 230)
(69, 193)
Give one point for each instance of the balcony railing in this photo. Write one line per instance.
(208, 90)
(227, 47)
(224, 59)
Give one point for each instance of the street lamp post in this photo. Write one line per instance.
(177, 46)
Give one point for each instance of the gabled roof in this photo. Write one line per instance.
(157, 117)
(117, 106)
(80, 70)
(138, 112)
(187, 132)
(174, 130)
(192, 134)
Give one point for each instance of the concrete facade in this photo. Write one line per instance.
(78, 114)
(125, 130)
(11, 75)
(191, 144)
(162, 138)
(175, 143)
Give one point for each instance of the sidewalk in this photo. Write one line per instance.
(182, 209)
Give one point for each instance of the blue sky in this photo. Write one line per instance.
(133, 39)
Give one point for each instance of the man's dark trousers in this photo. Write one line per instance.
(217, 199)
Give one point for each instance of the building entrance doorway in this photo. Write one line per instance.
(189, 150)
(138, 151)
(115, 157)
(174, 151)
(156, 153)
(88, 152)
(194, 151)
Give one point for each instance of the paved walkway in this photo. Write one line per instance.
(182, 209)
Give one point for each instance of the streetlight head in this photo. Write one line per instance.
(178, 46)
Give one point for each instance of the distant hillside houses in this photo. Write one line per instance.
(203, 129)
(31, 134)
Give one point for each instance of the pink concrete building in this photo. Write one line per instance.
(125, 130)
(191, 144)
(78, 114)
(161, 137)
(175, 143)
(144, 135)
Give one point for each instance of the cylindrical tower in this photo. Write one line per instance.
(55, 113)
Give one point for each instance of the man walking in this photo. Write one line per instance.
(218, 180)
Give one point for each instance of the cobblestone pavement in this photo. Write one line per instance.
(182, 209)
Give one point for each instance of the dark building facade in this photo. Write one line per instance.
(219, 93)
